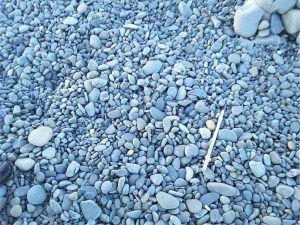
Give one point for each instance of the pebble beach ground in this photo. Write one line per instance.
(108, 109)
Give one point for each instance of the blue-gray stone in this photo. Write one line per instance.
(157, 114)
(257, 168)
(152, 66)
(90, 109)
(134, 214)
(184, 10)
(276, 24)
(36, 195)
(191, 150)
(221, 188)
(227, 135)
(90, 210)
(94, 95)
(106, 187)
(209, 198)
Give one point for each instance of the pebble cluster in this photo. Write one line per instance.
(267, 19)
(108, 109)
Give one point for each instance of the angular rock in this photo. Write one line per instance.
(244, 26)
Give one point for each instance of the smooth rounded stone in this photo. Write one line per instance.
(81, 8)
(175, 220)
(55, 207)
(157, 179)
(191, 150)
(243, 26)
(36, 195)
(193, 205)
(24, 28)
(92, 65)
(133, 168)
(40, 136)
(295, 127)
(6, 170)
(157, 114)
(291, 21)
(283, 6)
(172, 92)
(229, 217)
(227, 135)
(184, 10)
(264, 24)
(70, 21)
(181, 94)
(25, 164)
(284, 190)
(21, 191)
(209, 198)
(49, 153)
(90, 109)
(205, 133)
(234, 58)
(95, 41)
(134, 214)
(16, 211)
(276, 25)
(216, 46)
(271, 220)
(189, 173)
(210, 124)
(167, 201)
(90, 210)
(257, 168)
(2, 202)
(72, 169)
(291, 145)
(221, 188)
(166, 124)
(201, 107)
(273, 181)
(106, 187)
(152, 66)
(114, 114)
(140, 123)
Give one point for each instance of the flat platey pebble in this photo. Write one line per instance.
(221, 188)
(40, 136)
(167, 201)
(271, 220)
(70, 20)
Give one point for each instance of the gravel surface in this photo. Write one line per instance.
(108, 109)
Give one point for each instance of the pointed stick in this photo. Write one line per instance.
(213, 140)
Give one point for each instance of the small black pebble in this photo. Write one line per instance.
(6, 170)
